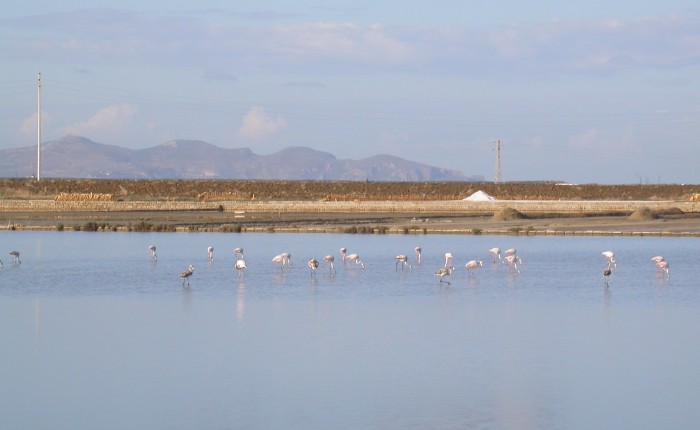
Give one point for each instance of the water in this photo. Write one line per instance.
(96, 335)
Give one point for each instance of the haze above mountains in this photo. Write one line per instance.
(79, 157)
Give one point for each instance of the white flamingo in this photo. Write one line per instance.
(313, 265)
(210, 252)
(610, 256)
(448, 260)
(418, 252)
(329, 259)
(496, 255)
(15, 257)
(473, 264)
(154, 255)
(343, 252)
(240, 267)
(186, 275)
(402, 259)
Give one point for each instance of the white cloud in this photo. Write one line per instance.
(107, 120)
(258, 124)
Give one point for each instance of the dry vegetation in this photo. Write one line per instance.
(213, 190)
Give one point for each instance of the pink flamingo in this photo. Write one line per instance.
(513, 261)
(330, 259)
(355, 258)
(496, 255)
(283, 260)
(418, 252)
(473, 264)
(663, 267)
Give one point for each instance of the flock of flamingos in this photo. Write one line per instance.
(509, 257)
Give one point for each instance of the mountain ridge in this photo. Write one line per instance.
(80, 157)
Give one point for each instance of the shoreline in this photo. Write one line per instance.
(396, 222)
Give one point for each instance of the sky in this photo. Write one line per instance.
(580, 91)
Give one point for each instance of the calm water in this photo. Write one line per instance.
(96, 335)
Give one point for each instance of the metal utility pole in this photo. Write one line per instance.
(38, 128)
(497, 176)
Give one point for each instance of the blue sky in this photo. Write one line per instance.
(576, 91)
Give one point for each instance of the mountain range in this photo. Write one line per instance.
(79, 157)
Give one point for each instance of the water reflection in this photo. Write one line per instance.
(105, 328)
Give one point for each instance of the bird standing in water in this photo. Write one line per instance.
(607, 272)
(186, 275)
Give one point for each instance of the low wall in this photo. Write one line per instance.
(461, 207)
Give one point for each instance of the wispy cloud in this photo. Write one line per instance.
(258, 124)
(566, 46)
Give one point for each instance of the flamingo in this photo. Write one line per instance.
(448, 260)
(282, 260)
(356, 259)
(240, 267)
(662, 266)
(496, 255)
(473, 264)
(444, 271)
(510, 251)
(210, 252)
(238, 252)
(611, 258)
(15, 257)
(343, 251)
(402, 259)
(186, 275)
(330, 259)
(418, 251)
(513, 261)
(313, 265)
(154, 255)
(607, 272)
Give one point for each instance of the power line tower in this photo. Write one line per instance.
(497, 176)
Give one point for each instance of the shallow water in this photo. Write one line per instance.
(97, 335)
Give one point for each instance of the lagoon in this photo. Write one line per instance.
(97, 335)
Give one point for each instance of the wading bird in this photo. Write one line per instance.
(444, 271)
(662, 266)
(607, 272)
(402, 259)
(473, 264)
(496, 255)
(210, 252)
(15, 257)
(186, 275)
(610, 256)
(154, 255)
(355, 258)
(329, 259)
(513, 261)
(418, 251)
(240, 267)
(283, 260)
(313, 265)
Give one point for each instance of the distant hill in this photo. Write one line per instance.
(79, 157)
